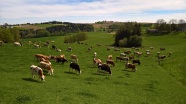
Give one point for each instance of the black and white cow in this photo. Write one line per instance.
(104, 67)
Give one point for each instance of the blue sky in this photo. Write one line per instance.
(90, 11)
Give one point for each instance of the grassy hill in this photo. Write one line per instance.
(150, 84)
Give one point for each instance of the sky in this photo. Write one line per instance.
(90, 11)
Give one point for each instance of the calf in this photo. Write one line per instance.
(75, 66)
(105, 68)
(136, 61)
(47, 66)
(37, 70)
(111, 62)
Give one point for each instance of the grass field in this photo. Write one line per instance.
(150, 84)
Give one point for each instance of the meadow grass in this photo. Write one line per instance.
(150, 84)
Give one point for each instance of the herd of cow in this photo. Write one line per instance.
(127, 56)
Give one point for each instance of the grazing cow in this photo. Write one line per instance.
(127, 52)
(69, 48)
(1, 43)
(17, 44)
(62, 60)
(37, 70)
(170, 53)
(75, 66)
(95, 54)
(44, 60)
(89, 49)
(58, 50)
(161, 49)
(47, 66)
(109, 57)
(138, 53)
(98, 44)
(46, 44)
(96, 61)
(62, 56)
(108, 49)
(122, 54)
(37, 46)
(136, 61)
(151, 47)
(130, 65)
(54, 47)
(74, 57)
(116, 49)
(111, 62)
(38, 56)
(161, 57)
(122, 58)
(131, 57)
(105, 68)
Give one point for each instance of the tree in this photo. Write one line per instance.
(126, 31)
(181, 25)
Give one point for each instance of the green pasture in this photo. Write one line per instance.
(150, 84)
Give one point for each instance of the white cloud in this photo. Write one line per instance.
(16, 9)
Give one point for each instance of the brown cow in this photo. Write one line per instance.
(109, 57)
(97, 61)
(130, 65)
(74, 58)
(47, 66)
(111, 62)
(37, 70)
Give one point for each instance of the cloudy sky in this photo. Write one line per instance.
(90, 11)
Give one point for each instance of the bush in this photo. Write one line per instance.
(81, 36)
(123, 42)
(135, 41)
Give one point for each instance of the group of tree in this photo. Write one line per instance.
(8, 35)
(173, 25)
(81, 36)
(128, 35)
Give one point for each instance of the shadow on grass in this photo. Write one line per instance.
(102, 74)
(30, 80)
(70, 72)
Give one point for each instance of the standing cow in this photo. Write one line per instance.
(75, 66)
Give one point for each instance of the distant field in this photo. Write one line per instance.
(150, 84)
